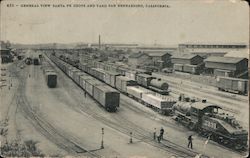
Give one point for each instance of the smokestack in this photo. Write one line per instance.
(99, 41)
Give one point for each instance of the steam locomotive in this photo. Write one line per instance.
(211, 121)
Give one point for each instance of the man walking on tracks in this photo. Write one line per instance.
(190, 143)
(160, 137)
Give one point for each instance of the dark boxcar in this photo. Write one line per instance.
(108, 97)
(51, 79)
(36, 61)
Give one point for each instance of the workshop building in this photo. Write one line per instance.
(227, 66)
(136, 60)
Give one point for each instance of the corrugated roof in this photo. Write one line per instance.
(183, 56)
(231, 60)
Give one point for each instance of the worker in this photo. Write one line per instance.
(160, 137)
(154, 133)
(190, 143)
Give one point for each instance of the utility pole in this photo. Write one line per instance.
(102, 146)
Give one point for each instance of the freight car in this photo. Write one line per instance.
(122, 82)
(234, 85)
(162, 104)
(51, 79)
(211, 121)
(160, 86)
(50, 75)
(157, 85)
(36, 61)
(107, 97)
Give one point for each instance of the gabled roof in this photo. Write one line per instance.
(230, 60)
(137, 55)
(184, 56)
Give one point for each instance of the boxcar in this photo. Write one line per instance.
(51, 79)
(130, 74)
(108, 97)
(110, 78)
(178, 67)
(122, 82)
(36, 61)
(144, 79)
(77, 76)
(234, 85)
(190, 69)
(89, 85)
(83, 80)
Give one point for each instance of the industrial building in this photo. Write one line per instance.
(215, 47)
(136, 60)
(227, 66)
(208, 54)
(160, 59)
(186, 59)
(187, 63)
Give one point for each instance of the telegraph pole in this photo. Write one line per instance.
(102, 146)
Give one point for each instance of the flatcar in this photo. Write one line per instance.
(233, 85)
(211, 121)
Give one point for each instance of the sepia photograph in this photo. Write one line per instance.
(124, 78)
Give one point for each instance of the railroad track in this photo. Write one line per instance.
(125, 126)
(177, 92)
(205, 94)
(209, 91)
(62, 140)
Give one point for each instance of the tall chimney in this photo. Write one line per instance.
(99, 41)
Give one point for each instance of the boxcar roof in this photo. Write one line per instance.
(106, 88)
(145, 75)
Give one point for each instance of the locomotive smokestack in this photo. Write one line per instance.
(99, 41)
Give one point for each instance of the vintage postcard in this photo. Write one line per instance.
(124, 78)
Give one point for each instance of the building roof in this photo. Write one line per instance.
(183, 56)
(137, 55)
(212, 43)
(156, 53)
(230, 60)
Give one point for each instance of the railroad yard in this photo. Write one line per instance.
(69, 108)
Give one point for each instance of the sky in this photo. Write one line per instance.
(184, 21)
